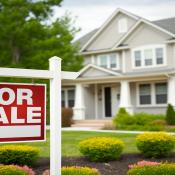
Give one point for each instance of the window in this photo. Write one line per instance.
(137, 58)
(63, 99)
(122, 25)
(71, 98)
(145, 94)
(149, 56)
(159, 56)
(161, 93)
(68, 98)
(103, 61)
(109, 61)
(113, 61)
(153, 93)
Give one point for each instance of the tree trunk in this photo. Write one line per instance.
(15, 55)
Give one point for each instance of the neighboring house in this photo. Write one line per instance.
(129, 62)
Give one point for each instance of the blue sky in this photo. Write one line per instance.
(90, 14)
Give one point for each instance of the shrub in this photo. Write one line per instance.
(161, 169)
(15, 170)
(101, 149)
(67, 115)
(170, 115)
(139, 121)
(18, 154)
(79, 171)
(123, 118)
(156, 144)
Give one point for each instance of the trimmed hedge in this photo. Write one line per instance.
(15, 170)
(162, 169)
(79, 171)
(139, 121)
(101, 149)
(18, 155)
(155, 144)
(67, 116)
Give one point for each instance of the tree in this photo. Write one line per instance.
(170, 115)
(28, 37)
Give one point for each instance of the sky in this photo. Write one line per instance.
(91, 14)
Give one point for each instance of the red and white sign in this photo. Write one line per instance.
(22, 112)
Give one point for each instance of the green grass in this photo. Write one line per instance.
(70, 140)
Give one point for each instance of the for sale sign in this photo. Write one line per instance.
(22, 112)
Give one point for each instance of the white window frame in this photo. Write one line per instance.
(122, 25)
(66, 96)
(108, 61)
(142, 49)
(153, 94)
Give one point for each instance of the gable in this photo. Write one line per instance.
(145, 34)
(96, 71)
(107, 37)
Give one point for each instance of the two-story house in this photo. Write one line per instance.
(128, 62)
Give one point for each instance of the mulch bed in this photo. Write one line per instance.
(111, 168)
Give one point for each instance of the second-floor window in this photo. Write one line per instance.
(149, 56)
(110, 61)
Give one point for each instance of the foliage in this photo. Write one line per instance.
(28, 37)
(170, 115)
(18, 154)
(162, 169)
(143, 163)
(15, 170)
(101, 149)
(79, 171)
(67, 115)
(139, 121)
(155, 144)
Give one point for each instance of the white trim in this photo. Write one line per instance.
(123, 61)
(106, 23)
(153, 94)
(98, 68)
(153, 48)
(136, 25)
(96, 101)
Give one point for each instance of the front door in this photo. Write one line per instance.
(107, 102)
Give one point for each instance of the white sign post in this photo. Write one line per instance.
(54, 74)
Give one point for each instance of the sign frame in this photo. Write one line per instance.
(55, 75)
(45, 111)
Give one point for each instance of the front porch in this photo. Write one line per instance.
(101, 101)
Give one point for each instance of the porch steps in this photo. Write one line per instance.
(93, 124)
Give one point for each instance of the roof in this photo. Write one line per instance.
(167, 24)
(84, 39)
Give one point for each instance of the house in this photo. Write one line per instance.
(128, 62)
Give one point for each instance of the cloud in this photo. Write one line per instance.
(92, 13)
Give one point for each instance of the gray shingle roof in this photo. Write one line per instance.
(168, 24)
(84, 39)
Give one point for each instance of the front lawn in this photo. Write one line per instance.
(70, 140)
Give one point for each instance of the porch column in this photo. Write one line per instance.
(171, 90)
(125, 96)
(79, 108)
